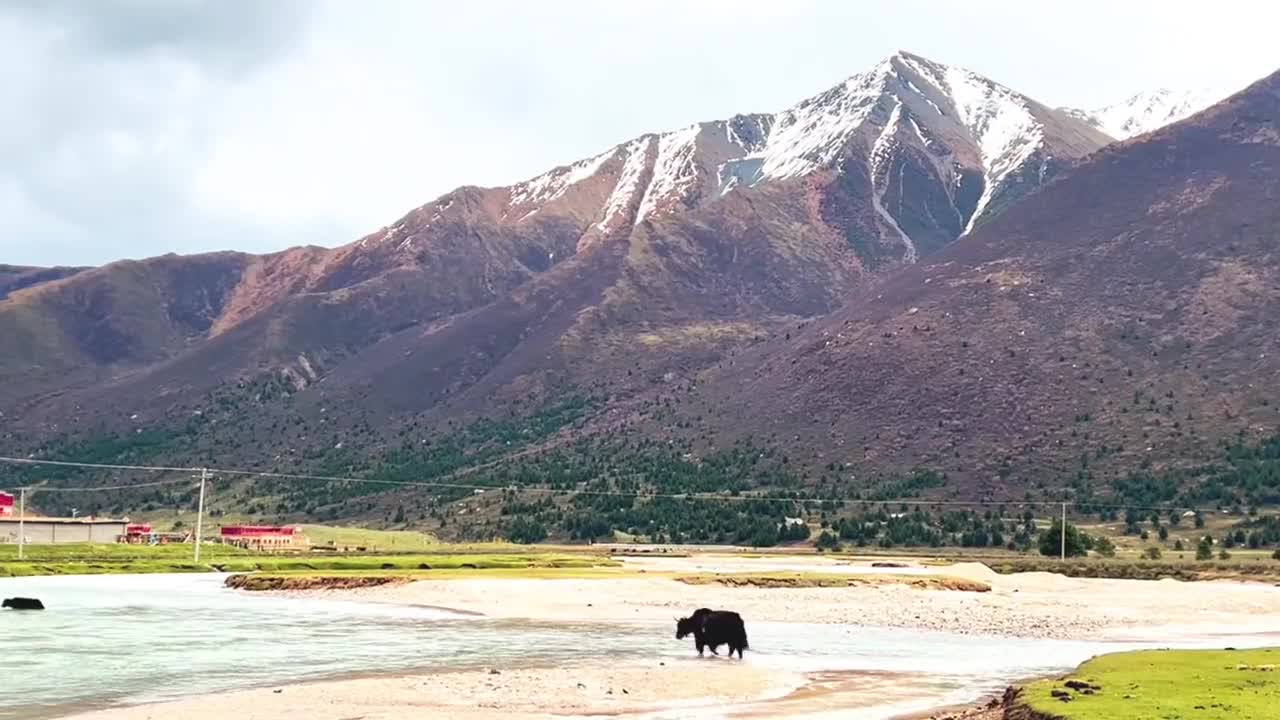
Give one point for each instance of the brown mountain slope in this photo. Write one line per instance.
(1128, 312)
(645, 261)
(16, 277)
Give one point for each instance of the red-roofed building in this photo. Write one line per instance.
(137, 534)
(263, 537)
(6, 504)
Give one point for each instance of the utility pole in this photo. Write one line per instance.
(1064, 531)
(22, 522)
(204, 477)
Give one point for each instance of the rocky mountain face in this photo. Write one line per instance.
(680, 243)
(1147, 111)
(1126, 316)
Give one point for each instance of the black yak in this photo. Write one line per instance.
(18, 603)
(713, 628)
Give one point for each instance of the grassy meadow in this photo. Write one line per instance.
(1146, 685)
(80, 559)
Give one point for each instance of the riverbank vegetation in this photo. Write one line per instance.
(141, 559)
(1118, 569)
(1201, 684)
(441, 559)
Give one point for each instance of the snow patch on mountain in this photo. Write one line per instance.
(881, 153)
(812, 135)
(1002, 124)
(675, 170)
(553, 184)
(633, 171)
(1148, 111)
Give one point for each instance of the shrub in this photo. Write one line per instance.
(1204, 550)
(1152, 553)
(1275, 555)
(1224, 555)
(1164, 533)
(526, 531)
(1104, 547)
(827, 541)
(1051, 541)
(1178, 546)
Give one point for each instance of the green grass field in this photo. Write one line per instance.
(373, 540)
(85, 559)
(1133, 569)
(1167, 685)
(400, 551)
(425, 562)
(114, 552)
(133, 559)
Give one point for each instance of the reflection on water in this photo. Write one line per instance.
(128, 639)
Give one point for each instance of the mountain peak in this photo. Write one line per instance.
(914, 57)
(907, 120)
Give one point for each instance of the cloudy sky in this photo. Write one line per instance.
(138, 127)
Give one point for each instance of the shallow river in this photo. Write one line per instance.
(109, 640)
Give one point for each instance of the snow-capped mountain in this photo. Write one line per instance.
(657, 253)
(1147, 111)
(926, 150)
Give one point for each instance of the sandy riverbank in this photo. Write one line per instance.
(1019, 606)
(1031, 605)
(526, 694)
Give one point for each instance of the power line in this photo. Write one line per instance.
(97, 466)
(262, 474)
(46, 488)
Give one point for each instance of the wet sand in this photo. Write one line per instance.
(526, 694)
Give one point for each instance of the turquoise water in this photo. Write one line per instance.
(109, 640)
(113, 639)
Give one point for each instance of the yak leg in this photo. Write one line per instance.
(700, 650)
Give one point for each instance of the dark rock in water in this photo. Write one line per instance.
(888, 565)
(19, 603)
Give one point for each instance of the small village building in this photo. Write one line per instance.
(51, 531)
(137, 532)
(6, 504)
(143, 534)
(263, 537)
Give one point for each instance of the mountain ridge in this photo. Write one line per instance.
(884, 166)
(1147, 111)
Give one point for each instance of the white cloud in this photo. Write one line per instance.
(145, 126)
